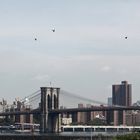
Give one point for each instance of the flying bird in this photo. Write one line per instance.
(53, 30)
(35, 39)
(126, 37)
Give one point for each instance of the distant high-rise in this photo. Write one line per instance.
(122, 94)
(81, 115)
(110, 101)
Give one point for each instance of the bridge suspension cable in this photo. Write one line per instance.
(33, 99)
(30, 96)
(81, 97)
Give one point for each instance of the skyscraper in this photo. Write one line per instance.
(109, 101)
(122, 94)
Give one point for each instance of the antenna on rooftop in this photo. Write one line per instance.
(50, 83)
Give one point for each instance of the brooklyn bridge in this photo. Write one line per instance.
(49, 103)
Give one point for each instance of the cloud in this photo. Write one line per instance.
(41, 77)
(106, 68)
(122, 71)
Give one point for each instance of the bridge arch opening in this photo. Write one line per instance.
(49, 101)
(55, 101)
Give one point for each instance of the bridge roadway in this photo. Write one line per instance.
(95, 108)
(72, 110)
(35, 111)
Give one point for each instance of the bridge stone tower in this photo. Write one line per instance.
(50, 122)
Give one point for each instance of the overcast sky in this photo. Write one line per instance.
(86, 54)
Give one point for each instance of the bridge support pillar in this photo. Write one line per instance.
(115, 117)
(74, 117)
(54, 123)
(124, 117)
(49, 101)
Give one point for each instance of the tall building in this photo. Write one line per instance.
(109, 101)
(133, 118)
(81, 115)
(122, 94)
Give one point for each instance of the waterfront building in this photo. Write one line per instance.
(122, 96)
(81, 117)
(66, 121)
(133, 118)
(109, 101)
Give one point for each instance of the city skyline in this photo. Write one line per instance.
(87, 53)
